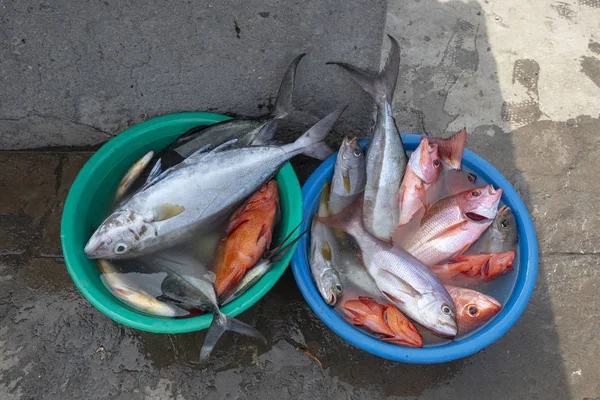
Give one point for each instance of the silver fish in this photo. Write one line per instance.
(501, 236)
(196, 194)
(323, 253)
(246, 130)
(260, 269)
(189, 284)
(386, 156)
(349, 175)
(134, 296)
(132, 174)
(405, 281)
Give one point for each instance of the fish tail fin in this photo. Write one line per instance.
(381, 86)
(219, 325)
(347, 220)
(283, 101)
(312, 142)
(451, 149)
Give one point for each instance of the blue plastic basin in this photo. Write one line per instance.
(462, 347)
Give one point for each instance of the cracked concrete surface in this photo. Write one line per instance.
(522, 77)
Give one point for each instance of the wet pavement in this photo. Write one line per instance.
(54, 344)
(523, 78)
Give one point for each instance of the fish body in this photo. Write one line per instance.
(247, 237)
(502, 234)
(404, 281)
(386, 156)
(349, 175)
(132, 175)
(383, 320)
(451, 225)
(189, 284)
(260, 269)
(423, 170)
(135, 297)
(485, 266)
(195, 194)
(473, 309)
(323, 255)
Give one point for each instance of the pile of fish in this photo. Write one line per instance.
(399, 242)
(213, 185)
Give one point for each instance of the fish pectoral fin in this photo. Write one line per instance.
(392, 298)
(264, 236)
(402, 285)
(346, 180)
(123, 292)
(326, 251)
(233, 225)
(461, 251)
(461, 226)
(165, 211)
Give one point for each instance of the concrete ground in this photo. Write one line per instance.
(523, 77)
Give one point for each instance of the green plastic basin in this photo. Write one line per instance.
(91, 195)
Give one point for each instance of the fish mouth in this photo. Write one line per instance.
(475, 217)
(94, 247)
(445, 329)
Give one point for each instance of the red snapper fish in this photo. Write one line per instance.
(450, 225)
(486, 266)
(423, 170)
(473, 309)
(386, 321)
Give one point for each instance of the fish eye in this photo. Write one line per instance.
(505, 223)
(338, 288)
(475, 193)
(472, 309)
(446, 310)
(357, 152)
(121, 248)
(436, 162)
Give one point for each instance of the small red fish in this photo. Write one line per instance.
(387, 321)
(247, 237)
(422, 170)
(485, 266)
(473, 309)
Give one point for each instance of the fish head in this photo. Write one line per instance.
(351, 161)
(119, 236)
(425, 161)
(438, 313)
(498, 264)
(480, 204)
(504, 226)
(473, 308)
(330, 286)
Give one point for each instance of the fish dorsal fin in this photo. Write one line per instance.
(223, 146)
(164, 211)
(201, 150)
(402, 285)
(233, 225)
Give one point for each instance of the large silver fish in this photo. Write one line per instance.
(349, 175)
(404, 281)
(189, 284)
(323, 254)
(386, 157)
(195, 194)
